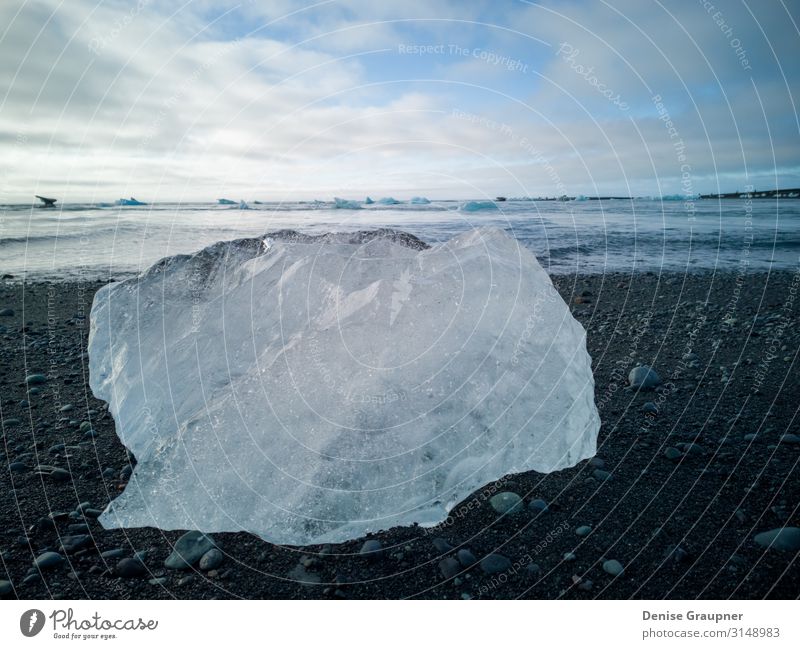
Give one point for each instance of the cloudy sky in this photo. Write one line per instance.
(287, 100)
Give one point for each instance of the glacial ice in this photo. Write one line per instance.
(419, 200)
(388, 200)
(314, 389)
(343, 204)
(477, 206)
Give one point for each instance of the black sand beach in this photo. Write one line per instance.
(675, 495)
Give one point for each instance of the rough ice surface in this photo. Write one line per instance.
(314, 389)
(344, 204)
(478, 206)
(419, 200)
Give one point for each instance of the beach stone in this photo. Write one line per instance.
(17, 467)
(601, 475)
(597, 463)
(188, 550)
(538, 505)
(449, 567)
(5, 588)
(583, 530)
(60, 475)
(35, 379)
(372, 548)
(48, 561)
(672, 453)
(790, 438)
(130, 568)
(66, 408)
(782, 538)
(644, 377)
(613, 567)
(466, 558)
(211, 559)
(506, 503)
(650, 408)
(442, 546)
(74, 542)
(158, 581)
(494, 563)
(6, 313)
(116, 553)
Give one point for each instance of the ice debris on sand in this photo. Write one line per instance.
(316, 389)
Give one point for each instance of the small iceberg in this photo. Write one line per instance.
(342, 204)
(331, 394)
(388, 200)
(226, 201)
(243, 205)
(419, 200)
(369, 201)
(477, 206)
(129, 201)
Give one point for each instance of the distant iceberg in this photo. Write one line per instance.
(315, 389)
(226, 201)
(129, 201)
(419, 200)
(343, 204)
(388, 200)
(477, 206)
(369, 201)
(243, 205)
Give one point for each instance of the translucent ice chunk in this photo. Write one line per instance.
(314, 389)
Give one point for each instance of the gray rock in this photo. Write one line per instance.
(74, 542)
(494, 563)
(66, 408)
(158, 581)
(211, 559)
(613, 567)
(597, 463)
(60, 475)
(372, 548)
(303, 576)
(129, 567)
(466, 558)
(6, 313)
(5, 588)
(116, 553)
(601, 476)
(644, 377)
(188, 550)
(790, 438)
(781, 538)
(583, 530)
(442, 546)
(48, 561)
(17, 467)
(650, 408)
(35, 379)
(538, 505)
(672, 453)
(449, 567)
(506, 503)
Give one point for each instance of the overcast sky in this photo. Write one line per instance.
(284, 100)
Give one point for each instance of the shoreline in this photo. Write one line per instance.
(682, 527)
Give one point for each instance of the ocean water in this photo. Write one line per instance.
(101, 242)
